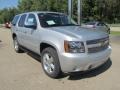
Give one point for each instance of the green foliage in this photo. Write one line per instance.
(43, 5)
(6, 15)
(25, 5)
(106, 10)
(115, 33)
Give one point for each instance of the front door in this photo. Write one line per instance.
(31, 33)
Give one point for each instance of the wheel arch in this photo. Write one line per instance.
(44, 45)
(14, 35)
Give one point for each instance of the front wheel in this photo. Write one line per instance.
(50, 62)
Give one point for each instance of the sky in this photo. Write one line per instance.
(8, 3)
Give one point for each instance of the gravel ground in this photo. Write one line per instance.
(24, 72)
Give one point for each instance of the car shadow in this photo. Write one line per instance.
(34, 56)
(93, 73)
(79, 75)
(37, 58)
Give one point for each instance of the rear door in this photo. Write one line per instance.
(21, 33)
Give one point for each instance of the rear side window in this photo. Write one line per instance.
(22, 20)
(14, 22)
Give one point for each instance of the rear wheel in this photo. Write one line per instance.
(16, 45)
(50, 62)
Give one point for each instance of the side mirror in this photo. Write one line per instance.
(30, 25)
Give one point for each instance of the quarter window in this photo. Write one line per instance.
(15, 20)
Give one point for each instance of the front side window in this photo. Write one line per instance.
(54, 20)
(31, 19)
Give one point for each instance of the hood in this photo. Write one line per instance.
(80, 32)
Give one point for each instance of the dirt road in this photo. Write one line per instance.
(23, 72)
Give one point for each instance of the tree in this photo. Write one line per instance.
(7, 14)
(25, 5)
(106, 10)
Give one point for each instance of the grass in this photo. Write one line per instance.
(114, 25)
(117, 33)
(0, 25)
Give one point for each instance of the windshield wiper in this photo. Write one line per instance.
(57, 25)
(70, 25)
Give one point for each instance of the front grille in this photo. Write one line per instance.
(97, 45)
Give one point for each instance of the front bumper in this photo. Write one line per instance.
(83, 62)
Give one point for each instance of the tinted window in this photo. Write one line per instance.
(31, 19)
(15, 20)
(101, 24)
(22, 20)
(53, 19)
(91, 23)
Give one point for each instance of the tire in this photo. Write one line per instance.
(50, 63)
(16, 45)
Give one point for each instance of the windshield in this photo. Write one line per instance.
(91, 23)
(54, 20)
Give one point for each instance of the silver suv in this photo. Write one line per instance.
(62, 45)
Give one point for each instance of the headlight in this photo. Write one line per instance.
(74, 47)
